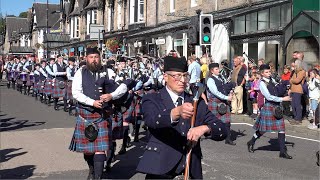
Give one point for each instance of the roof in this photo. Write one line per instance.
(313, 15)
(16, 25)
(41, 14)
(77, 9)
(93, 4)
(162, 28)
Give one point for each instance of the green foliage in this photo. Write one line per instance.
(23, 14)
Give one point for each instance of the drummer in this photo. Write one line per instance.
(71, 70)
(29, 67)
(23, 75)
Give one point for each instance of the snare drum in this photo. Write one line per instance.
(31, 77)
(23, 76)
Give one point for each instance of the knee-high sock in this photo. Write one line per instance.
(125, 136)
(228, 125)
(256, 136)
(98, 160)
(55, 102)
(282, 141)
(89, 159)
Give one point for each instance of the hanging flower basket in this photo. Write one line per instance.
(113, 45)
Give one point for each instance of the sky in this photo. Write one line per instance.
(15, 7)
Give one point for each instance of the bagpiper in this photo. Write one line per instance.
(219, 98)
(271, 114)
(71, 70)
(29, 68)
(48, 86)
(59, 87)
(93, 130)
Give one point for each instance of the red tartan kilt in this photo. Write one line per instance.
(128, 115)
(48, 88)
(69, 90)
(30, 80)
(266, 122)
(80, 143)
(213, 107)
(138, 109)
(58, 92)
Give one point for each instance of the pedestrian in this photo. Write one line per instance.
(167, 115)
(270, 119)
(219, 98)
(238, 77)
(93, 130)
(194, 69)
(314, 95)
(297, 80)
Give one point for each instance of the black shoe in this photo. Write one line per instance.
(230, 142)
(65, 109)
(250, 147)
(8, 85)
(285, 155)
(56, 108)
(122, 151)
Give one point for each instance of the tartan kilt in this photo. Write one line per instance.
(30, 82)
(68, 94)
(57, 92)
(117, 126)
(9, 75)
(213, 107)
(266, 122)
(15, 75)
(39, 87)
(79, 143)
(128, 114)
(48, 89)
(138, 109)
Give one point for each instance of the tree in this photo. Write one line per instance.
(23, 14)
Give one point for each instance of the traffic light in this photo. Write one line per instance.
(205, 29)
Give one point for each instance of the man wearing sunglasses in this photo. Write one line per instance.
(167, 115)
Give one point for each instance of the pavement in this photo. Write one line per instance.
(34, 144)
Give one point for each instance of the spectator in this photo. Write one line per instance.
(296, 82)
(260, 62)
(254, 93)
(314, 94)
(286, 73)
(285, 79)
(194, 71)
(204, 69)
(238, 77)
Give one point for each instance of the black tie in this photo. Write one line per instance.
(179, 101)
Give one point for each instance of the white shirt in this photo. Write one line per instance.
(77, 90)
(174, 98)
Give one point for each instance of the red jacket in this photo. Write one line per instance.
(286, 77)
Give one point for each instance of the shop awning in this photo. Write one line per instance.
(162, 28)
(21, 50)
(56, 40)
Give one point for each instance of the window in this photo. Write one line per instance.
(136, 11)
(285, 14)
(239, 25)
(172, 5)
(263, 19)
(194, 3)
(251, 22)
(76, 27)
(275, 17)
(94, 17)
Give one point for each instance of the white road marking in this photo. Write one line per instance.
(297, 137)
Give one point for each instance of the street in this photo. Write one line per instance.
(35, 140)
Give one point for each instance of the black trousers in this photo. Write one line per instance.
(249, 104)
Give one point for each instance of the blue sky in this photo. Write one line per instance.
(15, 7)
